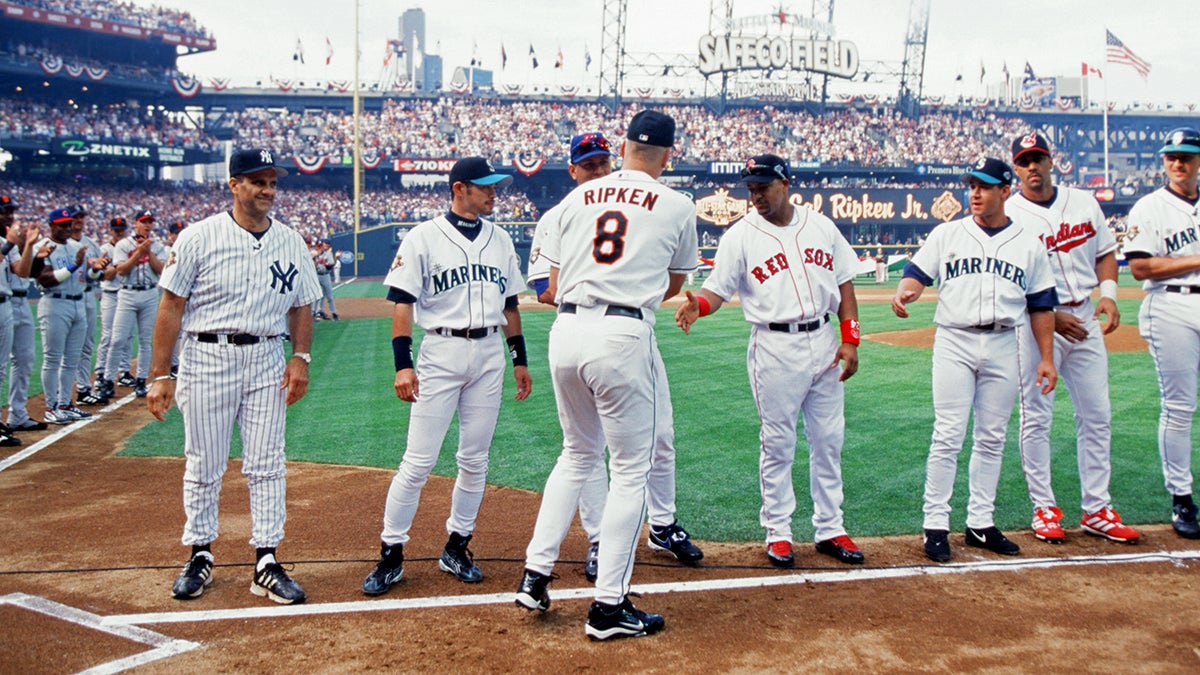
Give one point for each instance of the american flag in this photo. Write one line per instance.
(1119, 53)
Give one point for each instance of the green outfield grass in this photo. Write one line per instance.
(351, 416)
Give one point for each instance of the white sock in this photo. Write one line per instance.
(264, 561)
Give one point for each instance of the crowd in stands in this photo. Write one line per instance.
(152, 17)
(31, 55)
(118, 123)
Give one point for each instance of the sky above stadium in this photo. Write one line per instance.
(969, 44)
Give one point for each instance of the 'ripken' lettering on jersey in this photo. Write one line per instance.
(1068, 236)
(456, 276)
(635, 196)
(779, 262)
(1180, 239)
(987, 265)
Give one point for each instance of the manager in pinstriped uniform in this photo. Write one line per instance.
(234, 283)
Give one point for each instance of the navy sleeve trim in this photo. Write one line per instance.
(511, 302)
(1042, 301)
(399, 296)
(911, 271)
(1137, 254)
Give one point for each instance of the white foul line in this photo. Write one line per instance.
(163, 646)
(861, 574)
(62, 433)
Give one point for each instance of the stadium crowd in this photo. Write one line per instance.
(120, 123)
(152, 16)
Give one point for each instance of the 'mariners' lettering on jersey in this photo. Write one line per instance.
(1000, 268)
(1180, 239)
(456, 276)
(635, 196)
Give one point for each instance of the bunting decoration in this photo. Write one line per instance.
(185, 86)
(219, 83)
(310, 164)
(528, 166)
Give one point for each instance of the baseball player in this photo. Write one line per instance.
(624, 243)
(1164, 252)
(235, 284)
(61, 314)
(324, 261)
(792, 268)
(991, 272)
(95, 257)
(139, 261)
(590, 158)
(110, 285)
(457, 277)
(20, 259)
(1083, 254)
(10, 234)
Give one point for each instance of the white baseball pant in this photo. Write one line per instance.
(1170, 323)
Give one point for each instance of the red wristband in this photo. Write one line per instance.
(851, 331)
(705, 308)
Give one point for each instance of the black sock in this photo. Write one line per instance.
(260, 552)
(198, 548)
(1183, 500)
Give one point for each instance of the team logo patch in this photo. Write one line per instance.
(1030, 140)
(171, 258)
(398, 262)
(535, 254)
(284, 279)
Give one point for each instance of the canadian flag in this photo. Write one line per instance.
(1091, 69)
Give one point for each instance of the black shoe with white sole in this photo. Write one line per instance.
(533, 593)
(605, 622)
(991, 539)
(274, 583)
(195, 577)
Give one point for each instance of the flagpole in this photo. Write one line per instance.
(357, 148)
(1107, 182)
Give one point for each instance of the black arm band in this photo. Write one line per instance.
(402, 352)
(516, 349)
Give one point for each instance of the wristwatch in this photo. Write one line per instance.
(304, 356)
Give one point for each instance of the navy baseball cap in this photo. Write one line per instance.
(765, 169)
(145, 214)
(118, 223)
(77, 210)
(479, 171)
(991, 171)
(651, 127)
(1183, 139)
(242, 162)
(61, 216)
(1034, 142)
(176, 227)
(7, 203)
(590, 144)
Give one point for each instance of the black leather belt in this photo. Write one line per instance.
(136, 288)
(1186, 290)
(611, 310)
(111, 290)
(798, 327)
(20, 294)
(233, 339)
(3, 299)
(989, 328)
(469, 333)
(64, 296)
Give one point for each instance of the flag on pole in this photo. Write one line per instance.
(533, 57)
(587, 58)
(1007, 77)
(328, 50)
(1029, 72)
(474, 53)
(503, 57)
(1091, 69)
(982, 71)
(1118, 53)
(298, 55)
(558, 63)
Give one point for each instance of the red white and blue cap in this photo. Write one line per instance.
(61, 216)
(1033, 142)
(590, 144)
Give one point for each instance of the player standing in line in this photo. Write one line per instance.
(591, 158)
(95, 260)
(1083, 255)
(791, 267)
(991, 272)
(456, 276)
(624, 243)
(139, 261)
(62, 315)
(1163, 250)
(20, 261)
(324, 262)
(235, 284)
(10, 235)
(109, 286)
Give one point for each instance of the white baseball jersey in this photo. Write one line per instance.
(1075, 233)
(142, 276)
(458, 283)
(783, 274)
(1163, 224)
(539, 266)
(236, 282)
(62, 257)
(15, 283)
(983, 278)
(114, 284)
(604, 261)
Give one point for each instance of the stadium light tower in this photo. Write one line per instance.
(912, 71)
(612, 53)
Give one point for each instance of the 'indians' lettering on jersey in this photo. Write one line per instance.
(984, 265)
(447, 279)
(635, 196)
(1179, 239)
(1069, 236)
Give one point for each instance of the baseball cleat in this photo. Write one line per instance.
(992, 539)
(53, 416)
(592, 566)
(458, 560)
(532, 593)
(106, 388)
(30, 425)
(842, 548)
(91, 398)
(1046, 525)
(387, 572)
(1183, 519)
(195, 577)
(605, 622)
(139, 388)
(7, 440)
(937, 545)
(780, 553)
(675, 540)
(1107, 523)
(274, 583)
(74, 414)
(127, 379)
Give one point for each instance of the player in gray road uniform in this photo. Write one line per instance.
(109, 286)
(324, 261)
(139, 261)
(10, 235)
(20, 258)
(95, 259)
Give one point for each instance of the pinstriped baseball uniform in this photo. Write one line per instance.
(83, 373)
(137, 306)
(22, 345)
(235, 283)
(62, 316)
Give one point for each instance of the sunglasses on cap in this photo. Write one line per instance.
(774, 171)
(592, 143)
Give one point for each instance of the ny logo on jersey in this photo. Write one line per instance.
(285, 279)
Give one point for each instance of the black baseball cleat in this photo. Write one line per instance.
(605, 622)
(139, 388)
(127, 379)
(30, 425)
(591, 567)
(458, 560)
(195, 577)
(1183, 518)
(991, 539)
(937, 545)
(387, 572)
(7, 440)
(532, 593)
(335, 317)
(675, 540)
(106, 388)
(274, 583)
(843, 548)
(91, 398)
